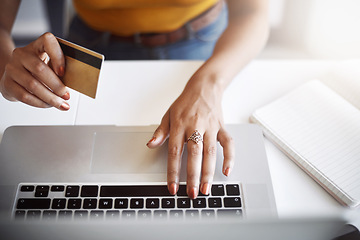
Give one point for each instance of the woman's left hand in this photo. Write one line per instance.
(198, 108)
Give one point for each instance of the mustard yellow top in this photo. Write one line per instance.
(126, 17)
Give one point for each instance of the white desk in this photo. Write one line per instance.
(140, 92)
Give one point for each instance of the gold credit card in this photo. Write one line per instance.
(82, 68)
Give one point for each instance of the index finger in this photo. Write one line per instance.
(49, 44)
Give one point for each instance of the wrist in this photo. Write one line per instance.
(206, 87)
(207, 81)
(217, 72)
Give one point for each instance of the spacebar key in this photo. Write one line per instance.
(134, 191)
(33, 203)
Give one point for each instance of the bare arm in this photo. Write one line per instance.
(8, 11)
(243, 39)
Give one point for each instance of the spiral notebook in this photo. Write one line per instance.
(319, 129)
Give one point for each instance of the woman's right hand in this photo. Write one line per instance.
(31, 78)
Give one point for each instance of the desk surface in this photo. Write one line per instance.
(140, 92)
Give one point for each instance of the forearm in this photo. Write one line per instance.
(6, 48)
(243, 39)
(8, 11)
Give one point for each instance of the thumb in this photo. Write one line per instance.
(161, 133)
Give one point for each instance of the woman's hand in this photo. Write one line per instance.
(199, 105)
(197, 108)
(29, 77)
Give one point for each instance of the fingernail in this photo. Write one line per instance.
(193, 192)
(151, 140)
(61, 71)
(65, 106)
(173, 188)
(227, 172)
(66, 96)
(205, 188)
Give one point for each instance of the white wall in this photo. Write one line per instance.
(317, 29)
(334, 28)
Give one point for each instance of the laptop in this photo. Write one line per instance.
(54, 173)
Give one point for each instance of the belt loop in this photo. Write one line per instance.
(137, 39)
(189, 30)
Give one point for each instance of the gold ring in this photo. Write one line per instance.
(196, 137)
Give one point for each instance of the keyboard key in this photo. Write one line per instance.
(121, 203)
(215, 202)
(105, 203)
(72, 191)
(207, 214)
(128, 214)
(232, 202)
(27, 188)
(33, 203)
(217, 190)
(42, 191)
(232, 190)
(176, 214)
(229, 213)
(90, 203)
(168, 203)
(49, 215)
(112, 214)
(33, 215)
(97, 215)
(42, 188)
(192, 214)
(20, 215)
(199, 203)
(81, 215)
(58, 203)
(137, 203)
(144, 214)
(152, 203)
(89, 191)
(65, 215)
(160, 214)
(74, 203)
(57, 188)
(183, 202)
(134, 191)
(182, 191)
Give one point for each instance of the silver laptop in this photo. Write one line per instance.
(85, 173)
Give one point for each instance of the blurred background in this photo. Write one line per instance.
(301, 29)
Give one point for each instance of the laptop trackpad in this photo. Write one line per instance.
(126, 152)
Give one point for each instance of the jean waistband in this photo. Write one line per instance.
(161, 39)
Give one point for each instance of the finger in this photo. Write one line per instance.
(195, 152)
(27, 81)
(209, 163)
(176, 144)
(46, 59)
(22, 95)
(43, 73)
(161, 133)
(227, 143)
(49, 44)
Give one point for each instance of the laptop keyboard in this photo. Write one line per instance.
(123, 202)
